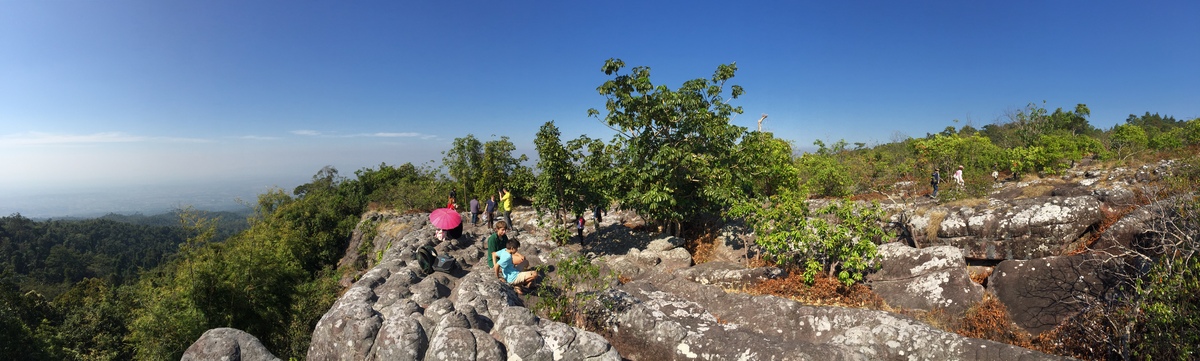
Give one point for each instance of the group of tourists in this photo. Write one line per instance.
(503, 255)
(936, 179)
(489, 208)
(957, 178)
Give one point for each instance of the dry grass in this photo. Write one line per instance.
(989, 320)
(825, 291)
(392, 230)
(935, 223)
(1036, 190)
(981, 277)
(702, 248)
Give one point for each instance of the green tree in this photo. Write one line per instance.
(557, 184)
(1191, 132)
(1128, 139)
(765, 165)
(823, 174)
(499, 168)
(1074, 122)
(594, 169)
(675, 146)
(463, 162)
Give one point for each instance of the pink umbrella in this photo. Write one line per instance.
(445, 218)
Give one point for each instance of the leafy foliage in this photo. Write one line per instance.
(464, 161)
(1128, 139)
(837, 239)
(558, 186)
(674, 147)
(563, 295)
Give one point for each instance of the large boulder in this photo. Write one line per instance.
(1016, 229)
(227, 344)
(925, 279)
(1041, 293)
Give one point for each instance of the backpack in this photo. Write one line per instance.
(445, 263)
(426, 257)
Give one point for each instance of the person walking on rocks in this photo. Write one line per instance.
(958, 180)
(506, 204)
(935, 180)
(579, 222)
(490, 211)
(474, 212)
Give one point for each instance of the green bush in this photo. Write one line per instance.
(825, 176)
(564, 294)
(837, 239)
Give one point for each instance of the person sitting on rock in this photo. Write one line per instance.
(509, 263)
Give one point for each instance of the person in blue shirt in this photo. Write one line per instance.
(507, 262)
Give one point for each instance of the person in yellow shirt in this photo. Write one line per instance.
(506, 205)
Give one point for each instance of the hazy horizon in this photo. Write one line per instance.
(147, 199)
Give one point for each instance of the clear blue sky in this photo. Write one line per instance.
(97, 93)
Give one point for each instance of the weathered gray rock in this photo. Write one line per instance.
(1041, 293)
(395, 312)
(1017, 229)
(665, 244)
(678, 319)
(348, 330)
(457, 343)
(729, 275)
(400, 338)
(227, 344)
(925, 279)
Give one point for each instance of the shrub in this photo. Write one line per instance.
(564, 293)
(837, 239)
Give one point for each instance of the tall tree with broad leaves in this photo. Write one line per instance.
(676, 146)
(557, 186)
(499, 168)
(464, 162)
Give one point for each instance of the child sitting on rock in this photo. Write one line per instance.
(507, 262)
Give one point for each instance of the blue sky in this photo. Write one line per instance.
(120, 93)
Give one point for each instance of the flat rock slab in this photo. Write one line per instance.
(678, 319)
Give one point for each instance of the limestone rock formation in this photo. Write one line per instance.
(1015, 229)
(393, 312)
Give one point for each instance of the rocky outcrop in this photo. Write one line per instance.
(393, 312)
(1016, 229)
(662, 254)
(924, 279)
(662, 317)
(227, 344)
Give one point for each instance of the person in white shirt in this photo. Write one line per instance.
(958, 177)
